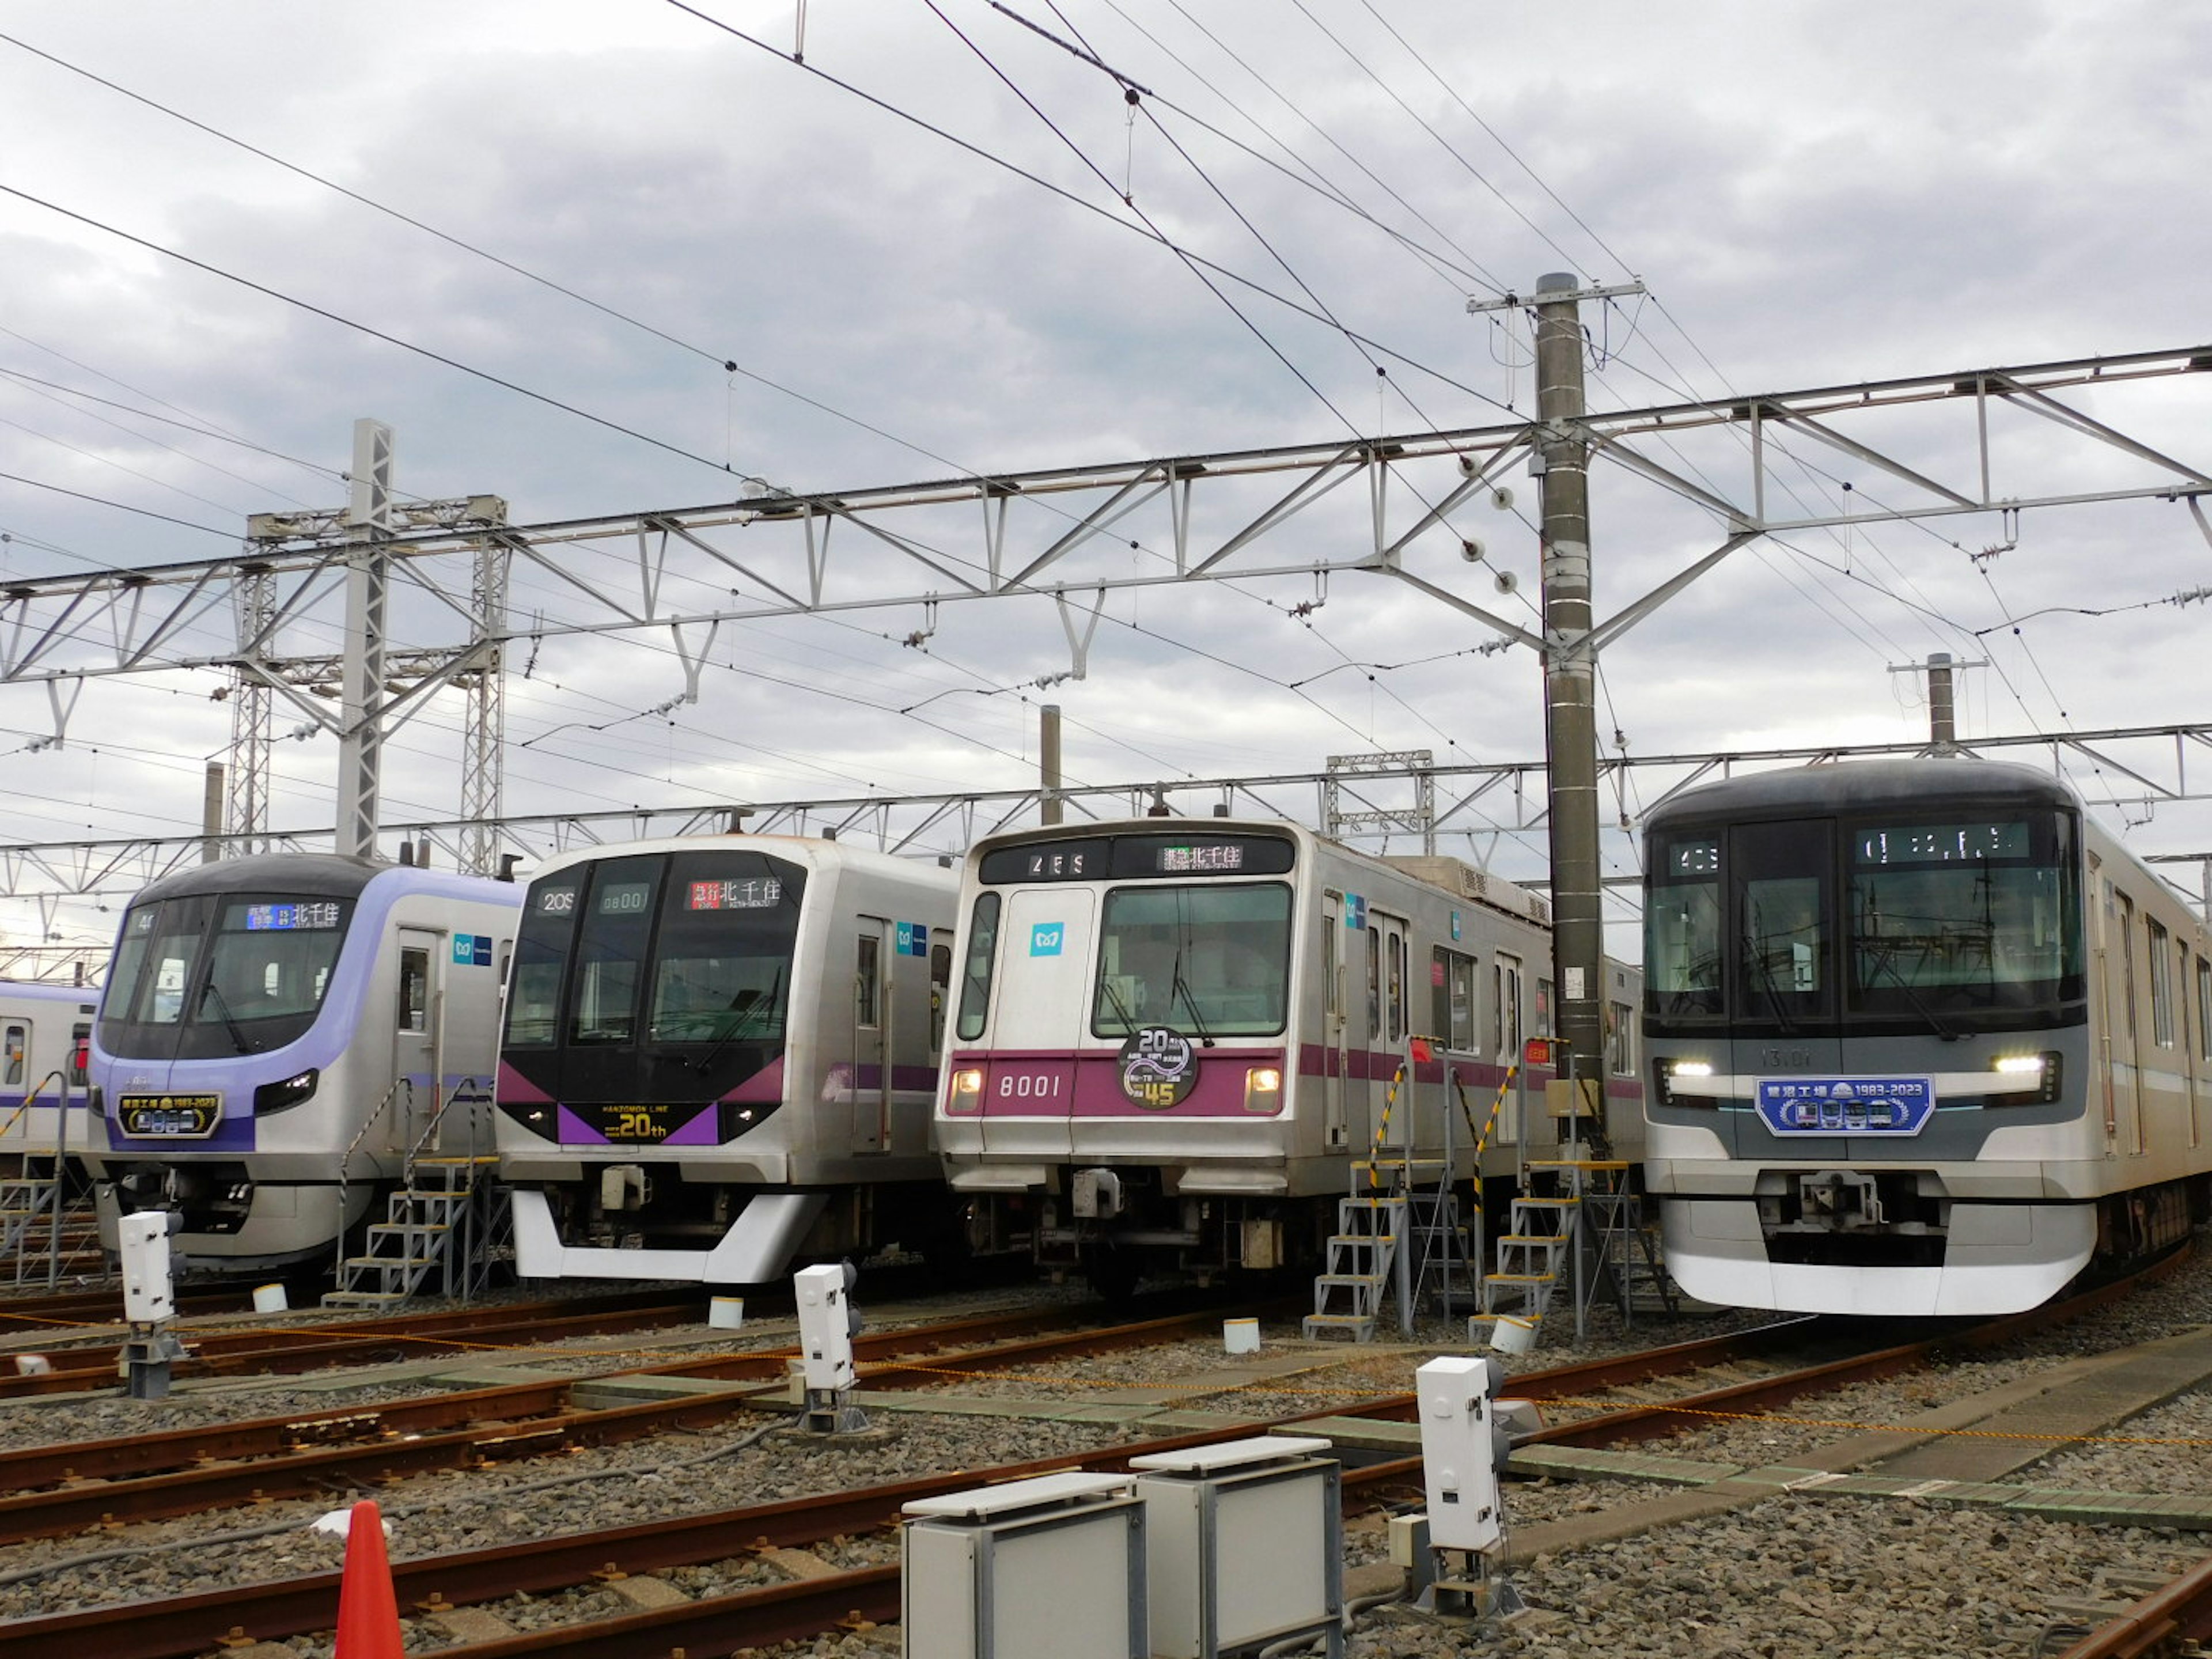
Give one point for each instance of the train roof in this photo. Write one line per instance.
(316, 875)
(1863, 785)
(816, 851)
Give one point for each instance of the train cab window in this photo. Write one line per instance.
(975, 972)
(541, 952)
(867, 983)
(414, 1012)
(1212, 961)
(16, 1046)
(1681, 930)
(1778, 881)
(1451, 974)
(612, 935)
(2161, 986)
(721, 959)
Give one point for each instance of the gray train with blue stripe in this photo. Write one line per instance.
(1923, 1038)
(277, 1033)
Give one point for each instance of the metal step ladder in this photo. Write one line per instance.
(1534, 1254)
(1628, 1256)
(435, 1238)
(43, 1229)
(1362, 1254)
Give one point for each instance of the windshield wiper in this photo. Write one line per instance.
(1129, 1019)
(1178, 987)
(741, 1023)
(1885, 958)
(222, 1006)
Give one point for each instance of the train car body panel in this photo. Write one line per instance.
(1177, 1038)
(278, 1032)
(46, 1030)
(721, 1053)
(1919, 1038)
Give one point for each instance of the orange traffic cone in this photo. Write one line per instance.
(369, 1611)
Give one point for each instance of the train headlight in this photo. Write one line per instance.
(1263, 1089)
(966, 1093)
(1680, 1082)
(2033, 1079)
(286, 1092)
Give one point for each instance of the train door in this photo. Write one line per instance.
(1406, 1131)
(1507, 1024)
(1039, 1017)
(2127, 1079)
(871, 1035)
(416, 1062)
(1335, 1022)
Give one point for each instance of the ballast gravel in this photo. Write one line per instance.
(1789, 1575)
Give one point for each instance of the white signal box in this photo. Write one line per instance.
(1460, 1455)
(150, 1292)
(825, 1328)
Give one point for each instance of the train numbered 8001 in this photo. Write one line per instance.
(1174, 1041)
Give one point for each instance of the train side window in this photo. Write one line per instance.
(18, 1045)
(2127, 949)
(414, 989)
(80, 1054)
(1452, 976)
(2204, 1009)
(1397, 987)
(975, 974)
(867, 982)
(1506, 1006)
(2161, 986)
(1621, 1039)
(1374, 983)
(940, 977)
(1543, 1009)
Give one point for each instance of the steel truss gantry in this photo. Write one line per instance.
(1482, 806)
(1069, 533)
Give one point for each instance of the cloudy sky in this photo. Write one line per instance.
(934, 247)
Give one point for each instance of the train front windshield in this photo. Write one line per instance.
(656, 954)
(212, 975)
(1214, 961)
(1865, 921)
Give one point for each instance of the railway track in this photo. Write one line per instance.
(765, 1613)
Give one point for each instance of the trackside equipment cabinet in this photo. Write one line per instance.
(1243, 1547)
(1053, 1566)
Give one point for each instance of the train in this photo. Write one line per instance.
(719, 1057)
(1175, 1041)
(1923, 1039)
(44, 1030)
(278, 1035)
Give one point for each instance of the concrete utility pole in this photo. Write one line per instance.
(1570, 684)
(368, 575)
(1049, 782)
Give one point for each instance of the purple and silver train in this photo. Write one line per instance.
(278, 1033)
(719, 1057)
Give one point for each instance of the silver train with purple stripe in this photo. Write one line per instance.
(278, 1033)
(719, 1057)
(1924, 1039)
